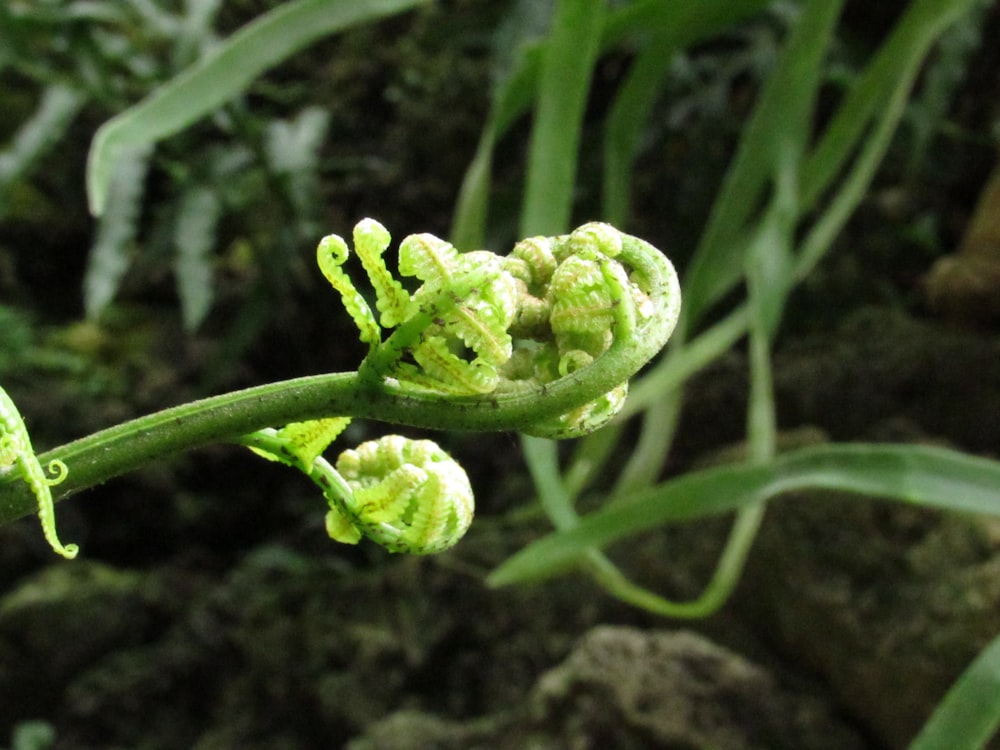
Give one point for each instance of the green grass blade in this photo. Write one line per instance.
(513, 95)
(887, 78)
(880, 95)
(970, 713)
(921, 475)
(511, 99)
(542, 458)
(670, 27)
(468, 224)
(893, 66)
(784, 103)
(221, 75)
(563, 86)
(681, 363)
(624, 127)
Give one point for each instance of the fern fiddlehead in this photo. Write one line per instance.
(542, 340)
(478, 324)
(407, 495)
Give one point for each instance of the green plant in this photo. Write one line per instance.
(85, 58)
(542, 340)
(784, 199)
(32, 735)
(18, 458)
(791, 186)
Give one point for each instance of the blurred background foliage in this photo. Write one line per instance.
(200, 276)
(225, 216)
(219, 226)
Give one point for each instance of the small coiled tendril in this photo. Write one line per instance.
(477, 324)
(18, 458)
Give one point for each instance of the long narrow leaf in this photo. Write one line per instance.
(511, 98)
(784, 102)
(881, 95)
(468, 224)
(670, 27)
(221, 75)
(921, 475)
(562, 95)
(882, 90)
(970, 712)
(902, 53)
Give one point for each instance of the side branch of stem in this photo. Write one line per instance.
(109, 453)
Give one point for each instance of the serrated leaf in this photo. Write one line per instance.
(307, 440)
(221, 75)
(116, 231)
(428, 258)
(55, 112)
(194, 238)
(299, 444)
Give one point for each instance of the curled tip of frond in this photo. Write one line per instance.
(407, 495)
(480, 322)
(332, 247)
(58, 471)
(371, 234)
(69, 551)
(595, 236)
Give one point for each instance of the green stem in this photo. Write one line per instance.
(225, 418)
(319, 470)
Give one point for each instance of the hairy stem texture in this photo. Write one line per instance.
(225, 418)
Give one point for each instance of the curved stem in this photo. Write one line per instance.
(319, 470)
(225, 418)
(716, 593)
